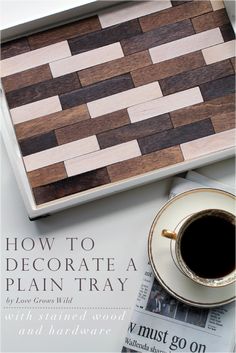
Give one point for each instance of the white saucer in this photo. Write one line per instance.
(160, 249)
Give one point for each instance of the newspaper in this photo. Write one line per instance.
(162, 324)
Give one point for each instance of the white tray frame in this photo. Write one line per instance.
(36, 211)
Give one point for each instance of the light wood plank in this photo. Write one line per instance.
(102, 158)
(219, 52)
(210, 144)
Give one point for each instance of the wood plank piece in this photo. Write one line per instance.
(70, 186)
(102, 158)
(14, 47)
(50, 122)
(104, 37)
(47, 175)
(35, 110)
(92, 126)
(64, 32)
(157, 36)
(167, 68)
(186, 45)
(196, 77)
(88, 59)
(165, 104)
(34, 58)
(217, 4)
(209, 144)
(210, 20)
(38, 143)
(27, 78)
(144, 164)
(193, 113)
(134, 131)
(114, 68)
(218, 88)
(224, 121)
(175, 14)
(227, 32)
(124, 99)
(60, 153)
(219, 52)
(96, 91)
(42, 90)
(125, 12)
(175, 136)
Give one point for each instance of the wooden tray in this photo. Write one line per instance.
(126, 96)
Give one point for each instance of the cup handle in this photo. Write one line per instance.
(169, 234)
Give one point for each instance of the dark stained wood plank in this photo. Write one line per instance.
(64, 32)
(134, 131)
(51, 122)
(47, 175)
(179, 2)
(114, 68)
(157, 36)
(70, 186)
(218, 88)
(144, 164)
(167, 68)
(38, 143)
(227, 32)
(196, 77)
(221, 105)
(41, 90)
(175, 136)
(92, 126)
(27, 78)
(96, 91)
(104, 37)
(210, 20)
(175, 14)
(14, 47)
(224, 121)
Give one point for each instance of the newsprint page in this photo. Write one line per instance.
(162, 324)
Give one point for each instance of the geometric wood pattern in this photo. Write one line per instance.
(136, 88)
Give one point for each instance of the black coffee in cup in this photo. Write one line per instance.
(207, 244)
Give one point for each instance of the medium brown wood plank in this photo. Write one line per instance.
(167, 68)
(114, 68)
(70, 186)
(42, 90)
(134, 131)
(38, 143)
(233, 62)
(47, 175)
(218, 88)
(27, 78)
(157, 36)
(224, 121)
(174, 14)
(210, 20)
(104, 37)
(196, 77)
(96, 91)
(175, 136)
(51, 122)
(64, 32)
(14, 47)
(203, 110)
(92, 126)
(144, 164)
